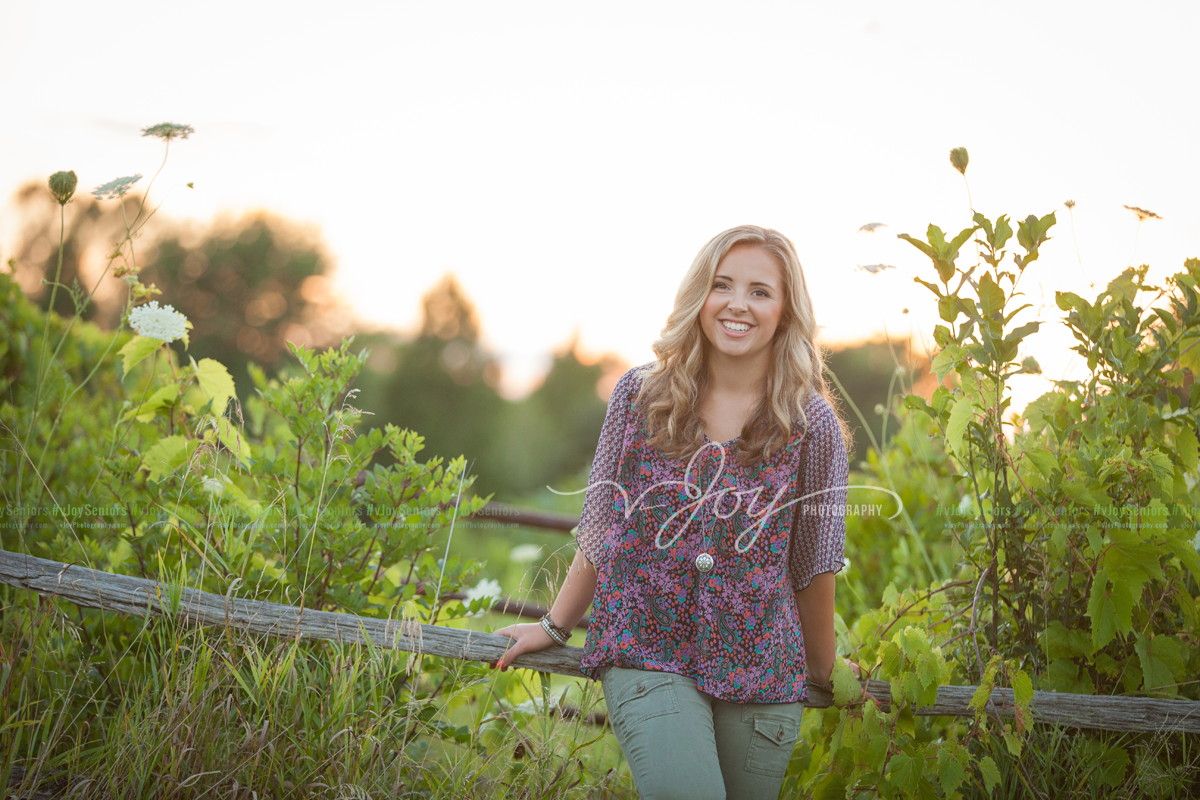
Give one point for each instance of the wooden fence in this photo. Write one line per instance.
(532, 517)
(139, 596)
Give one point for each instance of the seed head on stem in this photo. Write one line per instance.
(62, 186)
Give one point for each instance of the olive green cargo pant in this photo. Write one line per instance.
(682, 743)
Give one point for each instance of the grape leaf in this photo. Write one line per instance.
(846, 688)
(831, 787)
(979, 699)
(1162, 658)
(914, 641)
(991, 775)
(1110, 609)
(950, 769)
(1012, 742)
(1130, 560)
(135, 350)
(877, 749)
(893, 659)
(904, 771)
(146, 411)
(167, 455)
(1022, 688)
(216, 383)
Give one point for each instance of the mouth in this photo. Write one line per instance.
(735, 327)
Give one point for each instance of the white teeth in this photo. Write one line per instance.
(736, 326)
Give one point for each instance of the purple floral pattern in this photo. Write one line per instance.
(734, 628)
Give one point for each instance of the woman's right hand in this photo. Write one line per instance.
(526, 637)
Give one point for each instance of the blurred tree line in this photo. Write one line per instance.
(253, 283)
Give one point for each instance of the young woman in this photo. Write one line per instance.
(712, 529)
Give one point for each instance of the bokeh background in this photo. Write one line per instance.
(500, 199)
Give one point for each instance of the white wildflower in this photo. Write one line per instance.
(486, 589)
(534, 706)
(158, 323)
(525, 553)
(115, 188)
(168, 131)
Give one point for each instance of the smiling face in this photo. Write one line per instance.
(744, 305)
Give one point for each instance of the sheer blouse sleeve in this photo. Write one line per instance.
(818, 539)
(598, 502)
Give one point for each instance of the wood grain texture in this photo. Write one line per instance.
(128, 595)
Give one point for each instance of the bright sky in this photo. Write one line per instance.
(567, 161)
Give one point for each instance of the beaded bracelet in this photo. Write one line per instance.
(560, 635)
(826, 686)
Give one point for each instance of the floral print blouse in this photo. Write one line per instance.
(697, 562)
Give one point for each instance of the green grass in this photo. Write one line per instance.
(198, 713)
(1071, 764)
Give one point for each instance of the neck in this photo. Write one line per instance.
(738, 375)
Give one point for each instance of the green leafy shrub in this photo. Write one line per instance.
(1074, 536)
(120, 455)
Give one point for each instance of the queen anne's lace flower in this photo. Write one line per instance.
(168, 131)
(115, 188)
(62, 186)
(158, 323)
(486, 589)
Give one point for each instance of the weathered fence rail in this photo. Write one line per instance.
(532, 517)
(139, 596)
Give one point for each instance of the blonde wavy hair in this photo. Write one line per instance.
(671, 389)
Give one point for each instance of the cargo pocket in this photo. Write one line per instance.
(643, 696)
(771, 745)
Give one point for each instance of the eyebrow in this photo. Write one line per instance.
(752, 283)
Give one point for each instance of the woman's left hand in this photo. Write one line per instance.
(524, 638)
